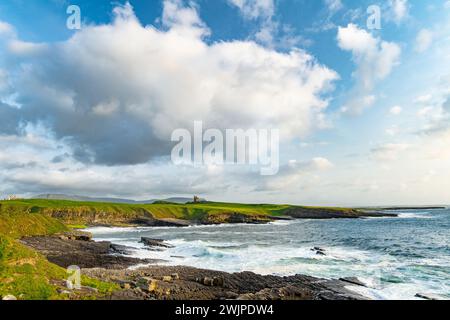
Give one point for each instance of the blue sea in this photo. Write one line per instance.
(396, 258)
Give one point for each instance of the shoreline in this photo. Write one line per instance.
(108, 262)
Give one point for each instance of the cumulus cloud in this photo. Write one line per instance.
(294, 175)
(270, 33)
(255, 9)
(374, 59)
(424, 40)
(115, 92)
(395, 110)
(334, 5)
(399, 10)
(437, 116)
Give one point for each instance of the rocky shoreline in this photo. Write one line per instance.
(186, 283)
(109, 262)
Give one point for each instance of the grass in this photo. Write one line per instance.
(27, 275)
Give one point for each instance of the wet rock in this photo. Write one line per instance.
(428, 296)
(155, 242)
(354, 281)
(119, 249)
(319, 251)
(84, 254)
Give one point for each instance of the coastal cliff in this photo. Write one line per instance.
(36, 244)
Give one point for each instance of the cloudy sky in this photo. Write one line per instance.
(364, 114)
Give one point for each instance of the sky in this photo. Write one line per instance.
(363, 113)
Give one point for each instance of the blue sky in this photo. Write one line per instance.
(372, 130)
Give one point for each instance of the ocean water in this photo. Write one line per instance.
(396, 257)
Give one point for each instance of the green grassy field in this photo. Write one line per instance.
(83, 213)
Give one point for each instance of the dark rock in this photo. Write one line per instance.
(427, 296)
(152, 222)
(155, 243)
(85, 254)
(76, 235)
(329, 213)
(119, 249)
(199, 284)
(319, 251)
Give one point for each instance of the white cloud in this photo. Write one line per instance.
(3, 80)
(334, 5)
(390, 151)
(392, 131)
(424, 40)
(254, 9)
(152, 81)
(18, 47)
(374, 58)
(395, 110)
(6, 29)
(426, 98)
(295, 175)
(400, 10)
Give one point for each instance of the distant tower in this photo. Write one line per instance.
(196, 199)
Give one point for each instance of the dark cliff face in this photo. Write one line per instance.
(93, 216)
(324, 213)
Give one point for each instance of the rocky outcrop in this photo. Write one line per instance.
(234, 217)
(152, 222)
(331, 213)
(75, 235)
(159, 243)
(85, 254)
(158, 282)
(353, 281)
(319, 251)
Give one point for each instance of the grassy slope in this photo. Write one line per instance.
(81, 213)
(25, 273)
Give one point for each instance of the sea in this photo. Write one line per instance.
(397, 258)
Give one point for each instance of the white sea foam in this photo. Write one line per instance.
(280, 249)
